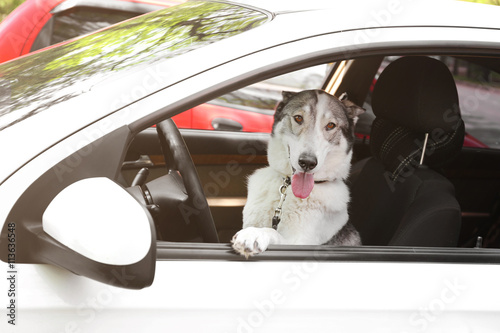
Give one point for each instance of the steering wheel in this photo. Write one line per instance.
(178, 159)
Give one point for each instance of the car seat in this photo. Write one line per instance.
(398, 196)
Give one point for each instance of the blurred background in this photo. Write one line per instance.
(6, 6)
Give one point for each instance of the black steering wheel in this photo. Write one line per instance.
(178, 159)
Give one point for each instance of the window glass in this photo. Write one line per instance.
(251, 108)
(39, 80)
(76, 22)
(82, 20)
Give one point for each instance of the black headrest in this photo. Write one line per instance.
(413, 96)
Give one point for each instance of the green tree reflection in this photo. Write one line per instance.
(31, 84)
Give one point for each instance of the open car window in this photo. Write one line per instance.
(251, 108)
(225, 160)
(478, 88)
(479, 91)
(264, 95)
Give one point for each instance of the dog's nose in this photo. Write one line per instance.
(307, 162)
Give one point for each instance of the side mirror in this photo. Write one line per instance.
(108, 235)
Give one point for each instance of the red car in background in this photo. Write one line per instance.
(36, 24)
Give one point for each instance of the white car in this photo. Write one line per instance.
(92, 242)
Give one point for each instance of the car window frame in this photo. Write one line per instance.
(223, 251)
(197, 251)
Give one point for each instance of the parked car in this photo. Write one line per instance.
(91, 241)
(37, 24)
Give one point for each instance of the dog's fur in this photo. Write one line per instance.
(321, 217)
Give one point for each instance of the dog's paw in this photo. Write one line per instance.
(251, 241)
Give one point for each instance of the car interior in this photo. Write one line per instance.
(414, 180)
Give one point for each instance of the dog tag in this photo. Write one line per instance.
(276, 221)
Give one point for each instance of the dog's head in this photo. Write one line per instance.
(312, 138)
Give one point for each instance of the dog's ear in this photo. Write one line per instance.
(353, 111)
(278, 114)
(287, 95)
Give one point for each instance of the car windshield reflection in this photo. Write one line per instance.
(46, 78)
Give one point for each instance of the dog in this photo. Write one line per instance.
(301, 197)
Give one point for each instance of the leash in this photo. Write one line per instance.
(277, 212)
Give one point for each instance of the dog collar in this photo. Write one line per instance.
(282, 190)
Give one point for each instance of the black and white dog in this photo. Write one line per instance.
(301, 197)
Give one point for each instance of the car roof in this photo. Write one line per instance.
(291, 21)
(377, 13)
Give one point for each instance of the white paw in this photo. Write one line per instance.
(251, 241)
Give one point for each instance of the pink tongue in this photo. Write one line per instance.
(302, 184)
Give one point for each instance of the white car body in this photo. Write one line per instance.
(210, 295)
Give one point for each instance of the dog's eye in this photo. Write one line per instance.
(330, 126)
(298, 119)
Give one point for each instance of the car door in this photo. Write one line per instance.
(217, 294)
(416, 289)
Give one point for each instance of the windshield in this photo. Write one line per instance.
(31, 84)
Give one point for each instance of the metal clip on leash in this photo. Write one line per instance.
(277, 212)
